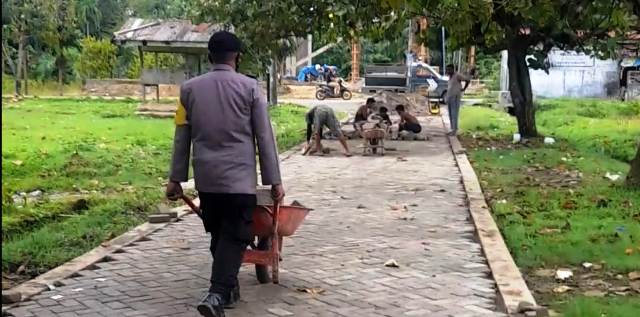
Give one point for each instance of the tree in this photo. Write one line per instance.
(61, 34)
(23, 21)
(112, 15)
(531, 28)
(269, 28)
(633, 178)
(89, 16)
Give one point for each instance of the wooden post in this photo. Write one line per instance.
(141, 55)
(355, 60)
(158, 84)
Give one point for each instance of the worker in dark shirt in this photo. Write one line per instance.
(407, 121)
(384, 114)
(362, 115)
(318, 117)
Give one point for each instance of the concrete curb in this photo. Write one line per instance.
(512, 289)
(46, 281)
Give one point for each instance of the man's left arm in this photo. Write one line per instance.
(466, 79)
(267, 150)
(179, 171)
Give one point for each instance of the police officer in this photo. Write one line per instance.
(223, 115)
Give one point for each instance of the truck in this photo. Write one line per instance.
(416, 77)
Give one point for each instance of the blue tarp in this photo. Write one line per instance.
(307, 70)
(311, 70)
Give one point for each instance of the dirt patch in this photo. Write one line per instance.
(593, 282)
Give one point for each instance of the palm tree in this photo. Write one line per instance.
(88, 15)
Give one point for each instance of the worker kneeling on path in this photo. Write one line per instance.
(407, 121)
(224, 115)
(318, 117)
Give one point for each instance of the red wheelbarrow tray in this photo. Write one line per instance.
(268, 229)
(289, 218)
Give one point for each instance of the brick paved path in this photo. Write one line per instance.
(408, 206)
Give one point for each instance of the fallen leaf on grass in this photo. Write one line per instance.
(562, 289)
(313, 291)
(595, 293)
(549, 230)
(628, 251)
(569, 204)
(17, 162)
(391, 263)
(544, 272)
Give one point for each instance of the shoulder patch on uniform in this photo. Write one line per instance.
(181, 115)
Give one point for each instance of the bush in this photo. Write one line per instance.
(97, 58)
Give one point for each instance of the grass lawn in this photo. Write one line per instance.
(556, 208)
(101, 168)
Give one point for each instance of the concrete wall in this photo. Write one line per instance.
(598, 79)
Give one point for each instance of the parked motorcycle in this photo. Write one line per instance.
(325, 91)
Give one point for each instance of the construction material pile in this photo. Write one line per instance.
(414, 103)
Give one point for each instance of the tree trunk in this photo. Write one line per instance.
(273, 83)
(520, 89)
(60, 77)
(633, 178)
(18, 74)
(25, 73)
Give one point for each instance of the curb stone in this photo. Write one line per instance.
(512, 289)
(22, 292)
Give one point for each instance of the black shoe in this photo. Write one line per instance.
(211, 306)
(234, 297)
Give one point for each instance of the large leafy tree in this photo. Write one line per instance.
(531, 28)
(269, 28)
(62, 33)
(24, 22)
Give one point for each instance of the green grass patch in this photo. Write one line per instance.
(553, 204)
(609, 307)
(112, 163)
(41, 88)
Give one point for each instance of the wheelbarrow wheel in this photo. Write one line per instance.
(374, 148)
(262, 271)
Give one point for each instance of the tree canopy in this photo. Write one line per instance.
(532, 28)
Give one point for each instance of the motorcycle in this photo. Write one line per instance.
(325, 91)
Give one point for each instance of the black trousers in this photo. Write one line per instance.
(228, 218)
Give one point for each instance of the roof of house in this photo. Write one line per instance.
(165, 36)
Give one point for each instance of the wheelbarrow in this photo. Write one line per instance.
(270, 225)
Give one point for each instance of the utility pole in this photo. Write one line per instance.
(444, 53)
(309, 48)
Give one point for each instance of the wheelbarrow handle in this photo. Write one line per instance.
(191, 205)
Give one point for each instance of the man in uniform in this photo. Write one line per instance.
(223, 114)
